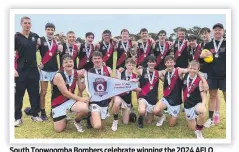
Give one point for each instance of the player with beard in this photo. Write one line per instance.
(216, 70)
(69, 47)
(107, 47)
(124, 51)
(161, 50)
(180, 49)
(63, 97)
(86, 51)
(98, 110)
(144, 46)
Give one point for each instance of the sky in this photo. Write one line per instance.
(82, 23)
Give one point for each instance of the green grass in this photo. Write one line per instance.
(45, 129)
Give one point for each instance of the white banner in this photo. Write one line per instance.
(102, 87)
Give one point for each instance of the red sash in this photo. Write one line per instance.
(16, 58)
(105, 70)
(174, 79)
(106, 57)
(164, 54)
(146, 88)
(177, 52)
(83, 61)
(47, 57)
(61, 99)
(123, 56)
(194, 86)
(197, 52)
(141, 57)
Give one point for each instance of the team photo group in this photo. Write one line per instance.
(185, 75)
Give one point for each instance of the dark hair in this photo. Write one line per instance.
(130, 60)
(124, 30)
(97, 53)
(89, 34)
(192, 37)
(70, 32)
(25, 17)
(143, 30)
(181, 29)
(151, 58)
(66, 56)
(205, 29)
(106, 32)
(162, 32)
(169, 57)
(50, 25)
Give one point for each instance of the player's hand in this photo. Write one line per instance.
(85, 99)
(205, 54)
(81, 73)
(170, 43)
(201, 108)
(41, 66)
(103, 64)
(134, 80)
(121, 70)
(60, 48)
(138, 90)
(16, 74)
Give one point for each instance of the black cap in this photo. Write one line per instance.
(218, 25)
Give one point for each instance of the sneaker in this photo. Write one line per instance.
(160, 121)
(27, 111)
(198, 134)
(18, 122)
(44, 117)
(39, 119)
(216, 119)
(208, 123)
(114, 125)
(79, 126)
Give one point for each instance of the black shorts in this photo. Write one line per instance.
(217, 84)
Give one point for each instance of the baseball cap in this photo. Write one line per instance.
(218, 25)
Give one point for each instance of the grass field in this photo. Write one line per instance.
(45, 129)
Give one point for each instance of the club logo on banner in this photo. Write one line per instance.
(102, 87)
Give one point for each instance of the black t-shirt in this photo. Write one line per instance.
(217, 69)
(203, 64)
(25, 50)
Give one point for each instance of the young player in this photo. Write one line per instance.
(172, 92)
(148, 96)
(124, 100)
(98, 110)
(194, 49)
(144, 48)
(195, 99)
(48, 67)
(63, 97)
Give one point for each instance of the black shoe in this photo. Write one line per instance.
(44, 117)
(89, 126)
(27, 111)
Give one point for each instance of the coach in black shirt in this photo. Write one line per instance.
(26, 71)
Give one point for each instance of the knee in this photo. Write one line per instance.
(202, 115)
(59, 129)
(141, 111)
(97, 125)
(85, 109)
(213, 95)
(156, 111)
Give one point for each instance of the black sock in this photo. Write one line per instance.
(88, 118)
(199, 127)
(141, 120)
(116, 116)
(211, 114)
(43, 112)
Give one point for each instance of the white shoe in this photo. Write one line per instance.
(18, 122)
(161, 120)
(114, 125)
(78, 126)
(208, 123)
(198, 134)
(39, 119)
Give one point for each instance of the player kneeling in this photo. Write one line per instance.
(194, 99)
(124, 100)
(63, 97)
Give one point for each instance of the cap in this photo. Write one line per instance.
(218, 25)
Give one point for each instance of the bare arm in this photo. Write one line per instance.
(204, 81)
(202, 106)
(110, 71)
(60, 83)
(182, 71)
(162, 74)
